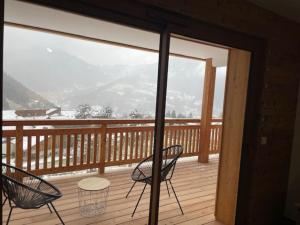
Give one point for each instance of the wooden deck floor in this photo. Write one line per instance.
(195, 185)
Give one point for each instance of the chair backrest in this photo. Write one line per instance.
(25, 189)
(170, 156)
(143, 171)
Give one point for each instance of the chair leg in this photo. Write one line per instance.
(4, 201)
(176, 197)
(130, 189)
(168, 188)
(139, 200)
(49, 208)
(57, 214)
(8, 218)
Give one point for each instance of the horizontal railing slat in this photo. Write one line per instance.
(73, 122)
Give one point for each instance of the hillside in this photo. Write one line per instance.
(61, 70)
(136, 89)
(17, 96)
(123, 87)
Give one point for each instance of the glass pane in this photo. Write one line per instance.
(185, 87)
(190, 77)
(58, 71)
(219, 92)
(89, 87)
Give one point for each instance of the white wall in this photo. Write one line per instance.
(293, 196)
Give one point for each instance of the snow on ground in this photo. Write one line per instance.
(65, 114)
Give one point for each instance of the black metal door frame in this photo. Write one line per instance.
(164, 46)
(1, 88)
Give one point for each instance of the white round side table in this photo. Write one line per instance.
(92, 195)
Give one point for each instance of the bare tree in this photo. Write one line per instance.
(83, 111)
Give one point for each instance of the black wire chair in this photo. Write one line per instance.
(27, 191)
(143, 171)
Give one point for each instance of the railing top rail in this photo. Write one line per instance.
(58, 122)
(90, 121)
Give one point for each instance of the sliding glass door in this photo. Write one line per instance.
(85, 97)
(135, 93)
(191, 83)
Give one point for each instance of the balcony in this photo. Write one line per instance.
(197, 199)
(56, 148)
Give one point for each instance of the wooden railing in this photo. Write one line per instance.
(55, 146)
(215, 136)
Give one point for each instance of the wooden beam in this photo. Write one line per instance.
(207, 108)
(233, 125)
(161, 94)
(96, 40)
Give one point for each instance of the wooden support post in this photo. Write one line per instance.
(207, 108)
(232, 137)
(19, 146)
(102, 149)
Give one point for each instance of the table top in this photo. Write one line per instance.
(93, 184)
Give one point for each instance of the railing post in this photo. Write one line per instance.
(19, 146)
(102, 149)
(207, 108)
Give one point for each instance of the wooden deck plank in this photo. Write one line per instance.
(196, 193)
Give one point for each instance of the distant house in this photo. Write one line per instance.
(38, 112)
(31, 112)
(53, 111)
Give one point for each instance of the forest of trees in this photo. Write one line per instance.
(179, 115)
(85, 111)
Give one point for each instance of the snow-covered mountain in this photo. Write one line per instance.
(67, 80)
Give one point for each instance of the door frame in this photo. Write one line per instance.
(155, 19)
(161, 93)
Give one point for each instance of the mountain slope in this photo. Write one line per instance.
(137, 89)
(17, 96)
(67, 78)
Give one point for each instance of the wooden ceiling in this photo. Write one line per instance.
(288, 8)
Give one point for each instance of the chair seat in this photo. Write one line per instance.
(27, 204)
(145, 171)
(142, 173)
